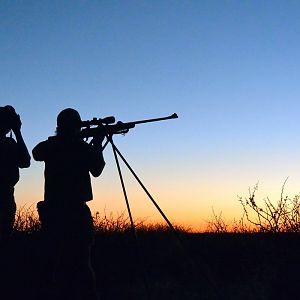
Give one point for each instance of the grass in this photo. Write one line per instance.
(27, 222)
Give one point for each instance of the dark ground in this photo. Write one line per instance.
(211, 266)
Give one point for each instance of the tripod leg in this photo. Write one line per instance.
(124, 190)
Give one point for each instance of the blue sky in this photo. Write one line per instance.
(229, 69)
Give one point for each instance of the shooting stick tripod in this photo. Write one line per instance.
(118, 153)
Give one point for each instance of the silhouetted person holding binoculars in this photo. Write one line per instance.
(13, 155)
(66, 220)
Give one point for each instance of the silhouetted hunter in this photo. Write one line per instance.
(66, 219)
(13, 155)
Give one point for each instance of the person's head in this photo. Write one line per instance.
(68, 123)
(8, 117)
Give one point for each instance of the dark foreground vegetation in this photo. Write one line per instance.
(257, 265)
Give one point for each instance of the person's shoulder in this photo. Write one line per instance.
(51, 140)
(44, 144)
(42, 150)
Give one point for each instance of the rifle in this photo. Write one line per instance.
(106, 127)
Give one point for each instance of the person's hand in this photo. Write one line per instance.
(98, 140)
(16, 124)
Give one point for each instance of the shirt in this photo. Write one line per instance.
(68, 164)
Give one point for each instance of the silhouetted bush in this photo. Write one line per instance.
(280, 217)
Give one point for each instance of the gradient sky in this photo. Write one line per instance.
(229, 69)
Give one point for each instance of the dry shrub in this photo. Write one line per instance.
(110, 223)
(217, 224)
(280, 217)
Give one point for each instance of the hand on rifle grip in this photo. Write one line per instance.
(97, 140)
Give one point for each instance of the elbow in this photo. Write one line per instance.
(36, 155)
(24, 164)
(98, 171)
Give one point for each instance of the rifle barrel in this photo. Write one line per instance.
(173, 116)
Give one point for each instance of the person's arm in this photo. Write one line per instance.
(23, 155)
(97, 162)
(39, 151)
